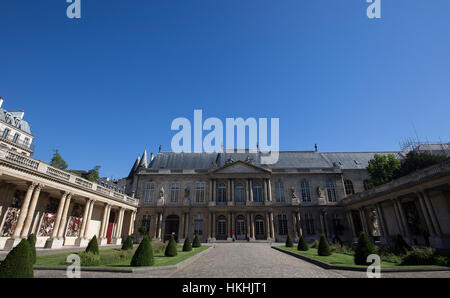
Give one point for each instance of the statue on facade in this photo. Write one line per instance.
(320, 192)
(373, 223)
(294, 197)
(187, 193)
(161, 197)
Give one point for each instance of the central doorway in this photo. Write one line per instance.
(240, 228)
(171, 226)
(259, 228)
(221, 231)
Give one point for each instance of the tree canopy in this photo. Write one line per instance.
(57, 161)
(383, 168)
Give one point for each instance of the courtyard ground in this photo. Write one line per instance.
(246, 260)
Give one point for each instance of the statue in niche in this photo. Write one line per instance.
(160, 201)
(373, 222)
(187, 193)
(320, 192)
(293, 193)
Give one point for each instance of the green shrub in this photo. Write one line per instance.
(324, 247)
(340, 248)
(315, 244)
(18, 263)
(363, 249)
(302, 245)
(400, 245)
(158, 247)
(89, 258)
(419, 256)
(144, 254)
(187, 246)
(196, 242)
(171, 249)
(442, 260)
(93, 246)
(128, 244)
(289, 242)
(142, 230)
(32, 241)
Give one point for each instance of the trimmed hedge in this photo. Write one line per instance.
(418, 256)
(196, 242)
(171, 249)
(363, 249)
(18, 263)
(93, 246)
(324, 247)
(128, 244)
(289, 242)
(187, 246)
(32, 241)
(302, 245)
(144, 254)
(89, 259)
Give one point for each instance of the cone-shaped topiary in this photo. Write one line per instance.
(32, 241)
(302, 245)
(144, 254)
(363, 249)
(196, 242)
(171, 248)
(324, 247)
(187, 246)
(128, 244)
(93, 246)
(18, 263)
(289, 242)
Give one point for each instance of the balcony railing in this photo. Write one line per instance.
(44, 168)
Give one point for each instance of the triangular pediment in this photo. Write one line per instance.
(240, 167)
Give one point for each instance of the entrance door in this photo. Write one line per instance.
(112, 219)
(171, 226)
(221, 231)
(259, 228)
(240, 228)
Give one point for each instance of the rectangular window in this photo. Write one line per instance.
(16, 137)
(174, 193)
(309, 221)
(331, 192)
(306, 193)
(5, 133)
(26, 141)
(200, 193)
(149, 192)
(282, 224)
(198, 226)
(279, 192)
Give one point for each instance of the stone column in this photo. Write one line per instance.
(156, 235)
(105, 228)
(213, 226)
(269, 190)
(398, 218)
(85, 215)
(351, 224)
(432, 213)
(267, 225)
(365, 227)
(248, 226)
(426, 215)
(229, 190)
(182, 229)
(299, 224)
(119, 226)
(214, 190)
(251, 189)
(383, 227)
(265, 190)
(232, 190)
(229, 225)
(272, 229)
(133, 222)
(403, 219)
(23, 211)
(247, 192)
(62, 226)
(232, 225)
(32, 208)
(252, 225)
(59, 214)
(295, 224)
(88, 219)
(103, 240)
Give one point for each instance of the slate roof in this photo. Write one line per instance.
(22, 124)
(287, 159)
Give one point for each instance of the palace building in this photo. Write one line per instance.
(226, 196)
(58, 207)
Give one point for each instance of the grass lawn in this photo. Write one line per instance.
(115, 257)
(340, 259)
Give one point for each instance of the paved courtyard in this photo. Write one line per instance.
(246, 260)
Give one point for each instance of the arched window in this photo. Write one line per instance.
(239, 197)
(174, 192)
(149, 192)
(279, 191)
(331, 192)
(309, 222)
(306, 193)
(348, 185)
(257, 193)
(200, 192)
(221, 194)
(367, 185)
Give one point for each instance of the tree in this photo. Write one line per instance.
(363, 249)
(171, 248)
(383, 168)
(144, 254)
(93, 174)
(18, 263)
(57, 161)
(128, 244)
(324, 247)
(416, 160)
(289, 242)
(196, 242)
(187, 246)
(302, 245)
(32, 241)
(93, 246)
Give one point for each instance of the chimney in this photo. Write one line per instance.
(151, 156)
(1, 101)
(315, 147)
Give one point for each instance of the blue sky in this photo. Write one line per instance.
(104, 88)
